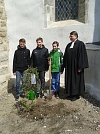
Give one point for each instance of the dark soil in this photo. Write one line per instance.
(44, 108)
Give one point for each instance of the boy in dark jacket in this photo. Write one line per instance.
(21, 61)
(39, 60)
(56, 64)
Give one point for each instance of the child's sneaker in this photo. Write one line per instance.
(17, 97)
(41, 94)
(22, 94)
(57, 97)
(55, 94)
(37, 95)
(52, 93)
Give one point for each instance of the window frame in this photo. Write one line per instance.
(49, 14)
(66, 16)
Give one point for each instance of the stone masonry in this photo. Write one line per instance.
(4, 50)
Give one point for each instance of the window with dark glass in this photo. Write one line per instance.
(66, 10)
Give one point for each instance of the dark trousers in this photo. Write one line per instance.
(42, 79)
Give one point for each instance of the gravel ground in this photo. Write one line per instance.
(51, 116)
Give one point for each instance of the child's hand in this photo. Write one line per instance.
(14, 74)
(49, 63)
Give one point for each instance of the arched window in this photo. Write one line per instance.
(66, 9)
(59, 10)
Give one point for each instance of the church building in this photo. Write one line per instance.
(53, 20)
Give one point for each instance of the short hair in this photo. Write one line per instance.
(56, 42)
(22, 40)
(74, 33)
(39, 39)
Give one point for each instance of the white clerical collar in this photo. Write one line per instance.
(72, 45)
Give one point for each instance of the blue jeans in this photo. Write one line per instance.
(19, 76)
(55, 81)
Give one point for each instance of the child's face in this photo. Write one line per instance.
(54, 46)
(22, 44)
(39, 43)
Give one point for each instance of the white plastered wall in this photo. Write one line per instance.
(25, 19)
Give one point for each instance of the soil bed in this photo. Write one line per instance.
(50, 116)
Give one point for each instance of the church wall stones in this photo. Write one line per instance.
(4, 50)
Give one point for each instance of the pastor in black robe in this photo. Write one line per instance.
(75, 58)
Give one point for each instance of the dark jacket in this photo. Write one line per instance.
(39, 59)
(21, 59)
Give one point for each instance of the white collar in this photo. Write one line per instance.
(72, 45)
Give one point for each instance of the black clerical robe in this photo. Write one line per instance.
(75, 58)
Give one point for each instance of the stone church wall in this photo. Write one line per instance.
(4, 50)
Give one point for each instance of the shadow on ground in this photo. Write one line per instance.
(92, 100)
(62, 95)
(86, 96)
(11, 86)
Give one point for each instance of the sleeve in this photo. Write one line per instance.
(82, 57)
(64, 61)
(28, 58)
(49, 55)
(61, 58)
(64, 58)
(61, 61)
(14, 62)
(32, 60)
(47, 64)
